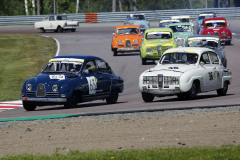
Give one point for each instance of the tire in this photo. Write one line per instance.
(144, 61)
(223, 91)
(112, 99)
(29, 106)
(115, 52)
(42, 30)
(72, 101)
(59, 29)
(147, 97)
(73, 30)
(192, 93)
(228, 43)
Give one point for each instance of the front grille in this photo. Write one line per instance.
(216, 33)
(180, 42)
(170, 80)
(128, 44)
(150, 80)
(135, 45)
(52, 94)
(159, 49)
(41, 90)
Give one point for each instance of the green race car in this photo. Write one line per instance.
(155, 42)
(181, 32)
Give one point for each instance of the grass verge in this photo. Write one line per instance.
(21, 57)
(227, 152)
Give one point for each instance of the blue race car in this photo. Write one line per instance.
(138, 19)
(203, 16)
(72, 79)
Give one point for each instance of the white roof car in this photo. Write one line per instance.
(185, 72)
(56, 23)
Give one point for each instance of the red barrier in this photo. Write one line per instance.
(91, 18)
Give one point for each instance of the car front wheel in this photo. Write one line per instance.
(192, 93)
(147, 97)
(223, 91)
(72, 101)
(29, 106)
(112, 99)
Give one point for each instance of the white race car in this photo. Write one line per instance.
(185, 72)
(56, 23)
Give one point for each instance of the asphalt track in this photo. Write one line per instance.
(95, 39)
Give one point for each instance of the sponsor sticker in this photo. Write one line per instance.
(60, 77)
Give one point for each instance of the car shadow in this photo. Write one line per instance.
(176, 99)
(80, 105)
(128, 54)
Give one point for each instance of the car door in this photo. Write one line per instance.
(104, 75)
(215, 61)
(207, 72)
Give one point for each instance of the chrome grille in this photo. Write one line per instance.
(41, 90)
(180, 42)
(128, 43)
(216, 33)
(150, 80)
(170, 80)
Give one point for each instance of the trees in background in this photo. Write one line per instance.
(32, 7)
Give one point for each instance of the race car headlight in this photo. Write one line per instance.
(149, 49)
(119, 42)
(145, 80)
(135, 41)
(208, 33)
(224, 33)
(29, 87)
(55, 88)
(175, 81)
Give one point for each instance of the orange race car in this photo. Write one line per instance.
(127, 38)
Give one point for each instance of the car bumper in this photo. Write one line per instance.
(225, 39)
(33, 99)
(128, 49)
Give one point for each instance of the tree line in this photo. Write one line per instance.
(39, 7)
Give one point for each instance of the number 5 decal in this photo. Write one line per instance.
(92, 84)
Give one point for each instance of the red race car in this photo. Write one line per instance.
(217, 27)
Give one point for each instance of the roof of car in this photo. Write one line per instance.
(176, 24)
(169, 20)
(158, 29)
(197, 50)
(207, 13)
(184, 16)
(127, 26)
(204, 36)
(212, 19)
(85, 57)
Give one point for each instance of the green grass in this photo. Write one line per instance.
(21, 57)
(229, 152)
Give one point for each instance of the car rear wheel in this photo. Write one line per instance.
(192, 93)
(147, 97)
(59, 29)
(112, 99)
(73, 30)
(223, 91)
(72, 101)
(29, 106)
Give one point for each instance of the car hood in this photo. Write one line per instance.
(170, 69)
(51, 78)
(184, 35)
(128, 36)
(155, 42)
(219, 29)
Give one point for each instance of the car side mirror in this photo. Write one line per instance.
(86, 71)
(228, 25)
(156, 61)
(202, 63)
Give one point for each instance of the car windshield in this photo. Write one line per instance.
(179, 58)
(158, 35)
(181, 28)
(63, 66)
(61, 18)
(203, 43)
(215, 23)
(122, 31)
(136, 17)
(184, 20)
(205, 16)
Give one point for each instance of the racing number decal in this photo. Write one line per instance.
(92, 84)
(210, 76)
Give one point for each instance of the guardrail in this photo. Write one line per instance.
(103, 17)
